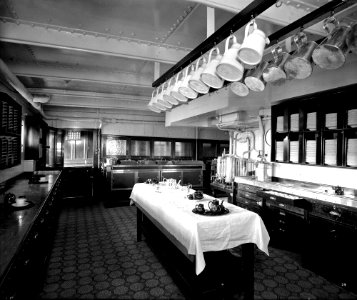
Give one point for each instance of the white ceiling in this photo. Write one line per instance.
(98, 57)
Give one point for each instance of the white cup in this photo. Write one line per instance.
(175, 90)
(20, 200)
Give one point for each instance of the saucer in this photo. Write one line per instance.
(20, 205)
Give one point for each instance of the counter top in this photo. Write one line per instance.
(14, 224)
(305, 190)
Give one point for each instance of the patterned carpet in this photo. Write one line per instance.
(95, 255)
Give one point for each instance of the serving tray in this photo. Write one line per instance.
(208, 212)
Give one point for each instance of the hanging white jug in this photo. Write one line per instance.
(209, 75)
(252, 49)
(167, 94)
(229, 68)
(351, 38)
(153, 108)
(185, 89)
(154, 100)
(160, 99)
(195, 81)
(175, 90)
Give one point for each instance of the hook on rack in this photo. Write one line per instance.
(278, 3)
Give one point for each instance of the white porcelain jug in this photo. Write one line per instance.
(229, 68)
(185, 89)
(160, 99)
(175, 90)
(195, 81)
(154, 100)
(252, 49)
(167, 94)
(209, 75)
(239, 88)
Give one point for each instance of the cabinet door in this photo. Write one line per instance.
(123, 179)
(193, 177)
(148, 174)
(174, 174)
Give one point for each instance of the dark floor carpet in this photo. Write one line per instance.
(95, 255)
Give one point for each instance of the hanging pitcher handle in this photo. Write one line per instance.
(247, 28)
(210, 53)
(276, 53)
(329, 24)
(300, 39)
(227, 41)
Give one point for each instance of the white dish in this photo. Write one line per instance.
(20, 205)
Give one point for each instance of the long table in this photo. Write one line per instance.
(194, 234)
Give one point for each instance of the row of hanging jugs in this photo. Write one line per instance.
(245, 61)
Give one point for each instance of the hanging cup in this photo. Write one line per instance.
(175, 90)
(229, 68)
(167, 94)
(154, 100)
(331, 53)
(252, 49)
(299, 65)
(254, 78)
(153, 108)
(274, 72)
(351, 38)
(209, 75)
(185, 89)
(160, 99)
(195, 81)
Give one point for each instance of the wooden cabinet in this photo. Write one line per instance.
(332, 246)
(10, 132)
(319, 131)
(246, 197)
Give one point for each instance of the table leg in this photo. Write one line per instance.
(248, 270)
(139, 223)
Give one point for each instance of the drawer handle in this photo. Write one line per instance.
(281, 205)
(246, 202)
(272, 198)
(335, 213)
(26, 262)
(42, 220)
(36, 236)
(260, 203)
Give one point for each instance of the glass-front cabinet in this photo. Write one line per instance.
(319, 131)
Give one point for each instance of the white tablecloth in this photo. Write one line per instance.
(198, 233)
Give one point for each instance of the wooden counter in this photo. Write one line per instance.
(25, 233)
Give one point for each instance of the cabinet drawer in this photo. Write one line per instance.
(285, 207)
(248, 188)
(249, 195)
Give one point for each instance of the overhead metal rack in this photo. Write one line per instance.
(242, 18)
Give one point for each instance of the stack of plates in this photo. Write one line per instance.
(294, 122)
(294, 151)
(331, 121)
(280, 124)
(331, 152)
(279, 151)
(311, 121)
(352, 152)
(310, 152)
(352, 118)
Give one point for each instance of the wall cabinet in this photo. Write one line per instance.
(321, 130)
(10, 132)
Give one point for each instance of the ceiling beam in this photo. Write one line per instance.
(55, 71)
(46, 35)
(283, 15)
(106, 103)
(86, 95)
